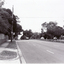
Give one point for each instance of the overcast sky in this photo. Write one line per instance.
(33, 13)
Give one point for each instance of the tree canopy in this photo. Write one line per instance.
(6, 22)
(52, 30)
(27, 33)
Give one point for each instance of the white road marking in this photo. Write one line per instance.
(50, 51)
(23, 60)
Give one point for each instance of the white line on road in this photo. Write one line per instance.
(50, 51)
(23, 60)
(20, 56)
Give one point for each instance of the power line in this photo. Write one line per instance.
(42, 17)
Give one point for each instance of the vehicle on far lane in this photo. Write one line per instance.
(24, 38)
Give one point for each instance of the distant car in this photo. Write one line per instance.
(24, 38)
(55, 38)
(27, 38)
(42, 38)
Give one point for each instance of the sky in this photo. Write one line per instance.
(32, 13)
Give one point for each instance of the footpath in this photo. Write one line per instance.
(10, 53)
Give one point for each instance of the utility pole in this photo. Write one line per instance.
(1, 3)
(12, 24)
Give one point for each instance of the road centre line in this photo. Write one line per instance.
(50, 51)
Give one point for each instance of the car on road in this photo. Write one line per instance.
(24, 38)
(42, 38)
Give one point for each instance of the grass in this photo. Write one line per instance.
(9, 54)
(6, 55)
(12, 45)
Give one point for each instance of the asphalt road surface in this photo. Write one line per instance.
(37, 51)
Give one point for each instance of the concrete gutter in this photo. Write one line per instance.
(22, 60)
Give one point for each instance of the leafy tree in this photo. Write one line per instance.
(49, 25)
(47, 35)
(36, 35)
(18, 29)
(27, 33)
(52, 30)
(6, 22)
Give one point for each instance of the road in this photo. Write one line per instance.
(37, 51)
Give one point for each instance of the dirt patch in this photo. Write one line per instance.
(12, 45)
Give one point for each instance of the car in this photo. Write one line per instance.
(27, 38)
(55, 38)
(42, 38)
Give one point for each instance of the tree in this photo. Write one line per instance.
(18, 29)
(47, 35)
(30, 33)
(27, 33)
(49, 25)
(52, 30)
(36, 35)
(6, 22)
